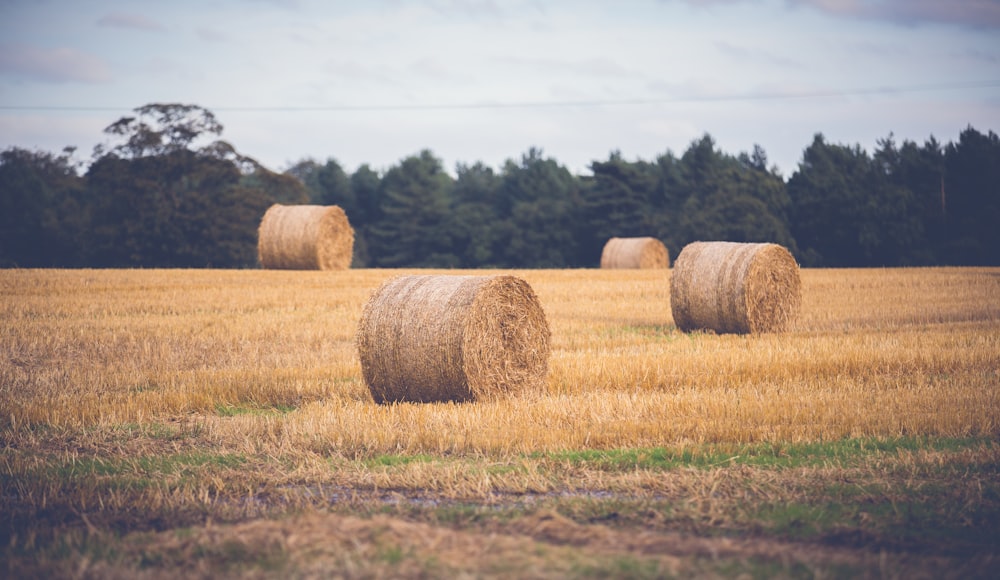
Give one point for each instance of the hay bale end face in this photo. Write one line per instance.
(305, 237)
(429, 338)
(733, 287)
(623, 253)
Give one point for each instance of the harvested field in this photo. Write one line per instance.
(215, 423)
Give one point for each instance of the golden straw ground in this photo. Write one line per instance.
(305, 237)
(452, 338)
(733, 287)
(214, 423)
(630, 253)
(879, 353)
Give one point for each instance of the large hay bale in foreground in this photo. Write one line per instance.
(622, 253)
(734, 287)
(427, 338)
(305, 237)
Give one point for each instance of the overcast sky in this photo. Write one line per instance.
(485, 80)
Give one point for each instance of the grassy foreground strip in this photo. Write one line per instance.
(928, 507)
(843, 453)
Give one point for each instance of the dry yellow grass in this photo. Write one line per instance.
(226, 409)
(873, 353)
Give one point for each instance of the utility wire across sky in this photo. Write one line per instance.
(766, 96)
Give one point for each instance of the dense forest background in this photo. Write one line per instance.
(162, 193)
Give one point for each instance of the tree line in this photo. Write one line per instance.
(158, 195)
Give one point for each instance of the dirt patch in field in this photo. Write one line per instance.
(544, 544)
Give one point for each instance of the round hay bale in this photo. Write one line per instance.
(305, 237)
(735, 288)
(623, 253)
(427, 338)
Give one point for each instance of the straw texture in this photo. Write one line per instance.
(428, 338)
(732, 287)
(624, 253)
(305, 237)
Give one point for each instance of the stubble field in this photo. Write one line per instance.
(165, 423)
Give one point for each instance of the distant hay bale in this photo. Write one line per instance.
(305, 237)
(736, 288)
(427, 338)
(635, 253)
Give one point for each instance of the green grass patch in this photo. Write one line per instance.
(185, 461)
(917, 524)
(150, 465)
(396, 460)
(249, 409)
(804, 521)
(841, 453)
(630, 567)
(656, 331)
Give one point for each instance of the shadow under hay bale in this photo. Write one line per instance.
(733, 287)
(631, 253)
(305, 237)
(428, 338)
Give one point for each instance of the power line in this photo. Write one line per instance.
(766, 96)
